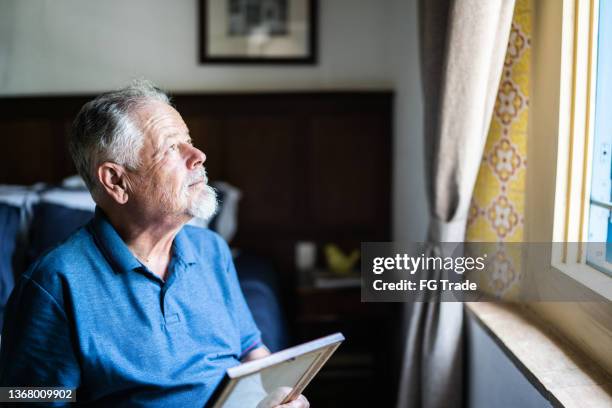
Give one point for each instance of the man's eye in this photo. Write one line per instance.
(173, 147)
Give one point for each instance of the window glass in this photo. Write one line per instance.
(599, 253)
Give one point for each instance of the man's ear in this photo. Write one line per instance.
(113, 179)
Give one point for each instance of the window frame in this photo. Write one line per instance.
(575, 149)
(559, 175)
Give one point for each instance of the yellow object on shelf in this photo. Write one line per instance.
(338, 262)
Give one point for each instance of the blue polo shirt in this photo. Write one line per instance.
(89, 315)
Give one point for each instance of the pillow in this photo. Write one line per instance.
(75, 198)
(9, 232)
(52, 223)
(15, 205)
(58, 213)
(259, 283)
(225, 222)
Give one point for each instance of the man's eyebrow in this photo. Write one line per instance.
(176, 135)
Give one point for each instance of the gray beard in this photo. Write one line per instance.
(205, 205)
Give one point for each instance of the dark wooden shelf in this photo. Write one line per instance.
(360, 373)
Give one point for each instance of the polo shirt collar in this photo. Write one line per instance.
(111, 244)
(183, 248)
(119, 255)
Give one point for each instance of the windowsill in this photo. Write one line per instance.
(562, 374)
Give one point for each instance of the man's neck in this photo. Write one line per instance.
(150, 240)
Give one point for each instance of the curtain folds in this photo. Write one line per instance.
(463, 44)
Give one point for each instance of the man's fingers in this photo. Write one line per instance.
(274, 398)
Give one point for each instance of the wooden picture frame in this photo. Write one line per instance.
(248, 383)
(258, 31)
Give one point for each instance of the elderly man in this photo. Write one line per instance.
(134, 309)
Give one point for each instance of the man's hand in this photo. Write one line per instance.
(277, 396)
(274, 399)
(259, 352)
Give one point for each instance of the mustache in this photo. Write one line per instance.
(197, 176)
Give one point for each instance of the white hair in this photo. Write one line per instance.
(104, 130)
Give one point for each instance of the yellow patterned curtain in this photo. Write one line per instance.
(497, 210)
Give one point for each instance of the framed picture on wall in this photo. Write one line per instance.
(258, 31)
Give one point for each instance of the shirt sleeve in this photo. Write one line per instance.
(36, 348)
(250, 336)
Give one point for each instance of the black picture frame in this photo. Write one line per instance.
(212, 49)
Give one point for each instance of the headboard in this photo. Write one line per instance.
(311, 165)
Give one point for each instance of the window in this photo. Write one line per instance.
(577, 182)
(565, 173)
(599, 254)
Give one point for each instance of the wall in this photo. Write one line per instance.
(76, 46)
(492, 379)
(410, 214)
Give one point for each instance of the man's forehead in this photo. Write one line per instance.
(152, 110)
(158, 118)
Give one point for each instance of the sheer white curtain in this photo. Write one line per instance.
(463, 44)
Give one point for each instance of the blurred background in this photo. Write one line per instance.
(309, 157)
(311, 114)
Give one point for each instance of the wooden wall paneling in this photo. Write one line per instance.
(207, 135)
(302, 167)
(65, 165)
(29, 151)
(260, 163)
(33, 137)
(349, 156)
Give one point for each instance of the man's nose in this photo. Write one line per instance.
(196, 158)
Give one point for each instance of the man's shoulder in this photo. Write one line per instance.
(206, 241)
(61, 264)
(69, 255)
(203, 236)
